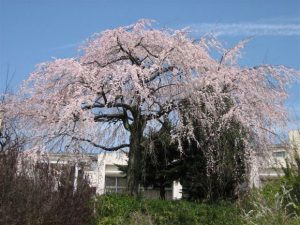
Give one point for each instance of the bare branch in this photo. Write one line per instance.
(147, 50)
(107, 63)
(109, 117)
(133, 59)
(115, 148)
(108, 105)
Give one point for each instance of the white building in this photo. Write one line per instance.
(269, 166)
(104, 175)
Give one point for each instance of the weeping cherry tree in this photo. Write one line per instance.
(129, 78)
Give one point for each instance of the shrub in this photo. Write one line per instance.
(292, 176)
(271, 205)
(116, 209)
(121, 209)
(276, 202)
(215, 167)
(33, 194)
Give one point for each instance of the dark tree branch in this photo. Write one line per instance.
(107, 63)
(126, 120)
(115, 148)
(160, 87)
(147, 50)
(139, 43)
(160, 113)
(133, 59)
(109, 117)
(108, 105)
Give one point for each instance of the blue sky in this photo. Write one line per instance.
(33, 31)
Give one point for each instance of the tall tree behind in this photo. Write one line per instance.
(160, 156)
(215, 165)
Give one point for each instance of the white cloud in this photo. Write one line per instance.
(281, 19)
(66, 46)
(247, 29)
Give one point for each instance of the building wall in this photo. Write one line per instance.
(294, 137)
(98, 167)
(105, 160)
(269, 166)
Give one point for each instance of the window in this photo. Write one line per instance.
(115, 184)
(280, 154)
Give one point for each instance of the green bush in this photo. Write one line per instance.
(292, 176)
(261, 208)
(122, 209)
(272, 204)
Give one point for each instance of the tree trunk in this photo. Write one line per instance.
(134, 169)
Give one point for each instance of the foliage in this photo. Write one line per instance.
(278, 200)
(160, 156)
(224, 150)
(159, 159)
(122, 209)
(271, 205)
(292, 176)
(214, 166)
(36, 194)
